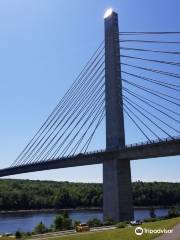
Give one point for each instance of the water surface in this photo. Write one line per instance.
(11, 222)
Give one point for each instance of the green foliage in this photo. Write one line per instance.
(156, 193)
(123, 234)
(174, 212)
(121, 225)
(108, 221)
(65, 214)
(67, 223)
(62, 223)
(76, 223)
(58, 222)
(151, 219)
(27, 194)
(152, 213)
(18, 234)
(28, 234)
(40, 228)
(95, 222)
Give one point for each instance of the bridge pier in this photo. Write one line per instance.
(117, 192)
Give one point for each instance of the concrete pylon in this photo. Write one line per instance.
(117, 189)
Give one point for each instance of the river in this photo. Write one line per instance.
(11, 222)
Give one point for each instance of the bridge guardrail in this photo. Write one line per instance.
(105, 151)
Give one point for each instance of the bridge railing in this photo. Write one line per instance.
(126, 146)
(105, 151)
(135, 145)
(129, 146)
(152, 141)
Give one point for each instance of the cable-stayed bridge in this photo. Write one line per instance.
(130, 82)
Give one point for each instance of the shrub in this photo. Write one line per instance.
(28, 234)
(18, 234)
(95, 222)
(65, 214)
(50, 229)
(40, 228)
(108, 221)
(174, 212)
(152, 213)
(58, 222)
(62, 223)
(67, 223)
(150, 219)
(121, 225)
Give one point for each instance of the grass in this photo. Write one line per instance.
(124, 233)
(7, 238)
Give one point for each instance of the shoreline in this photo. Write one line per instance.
(51, 210)
(75, 209)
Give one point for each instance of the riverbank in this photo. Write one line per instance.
(52, 210)
(76, 209)
(123, 233)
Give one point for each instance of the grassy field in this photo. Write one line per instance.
(124, 233)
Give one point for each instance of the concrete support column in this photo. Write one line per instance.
(117, 192)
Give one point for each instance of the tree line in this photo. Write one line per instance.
(32, 195)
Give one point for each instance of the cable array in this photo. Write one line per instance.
(150, 76)
(70, 127)
(150, 90)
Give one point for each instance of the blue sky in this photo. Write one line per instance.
(43, 46)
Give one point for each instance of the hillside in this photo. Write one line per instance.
(27, 194)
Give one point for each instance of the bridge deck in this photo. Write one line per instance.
(131, 152)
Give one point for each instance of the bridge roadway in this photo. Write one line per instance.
(167, 147)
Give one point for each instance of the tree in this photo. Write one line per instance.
(58, 222)
(152, 213)
(40, 228)
(65, 214)
(28, 194)
(18, 234)
(67, 223)
(62, 222)
(174, 212)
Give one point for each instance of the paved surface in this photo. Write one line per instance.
(172, 236)
(66, 233)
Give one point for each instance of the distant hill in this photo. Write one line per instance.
(27, 194)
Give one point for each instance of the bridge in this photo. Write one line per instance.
(104, 90)
(163, 148)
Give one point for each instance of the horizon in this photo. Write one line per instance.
(20, 179)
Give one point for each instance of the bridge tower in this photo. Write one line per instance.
(117, 189)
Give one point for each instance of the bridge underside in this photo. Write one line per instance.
(153, 150)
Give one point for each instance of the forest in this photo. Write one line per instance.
(32, 195)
